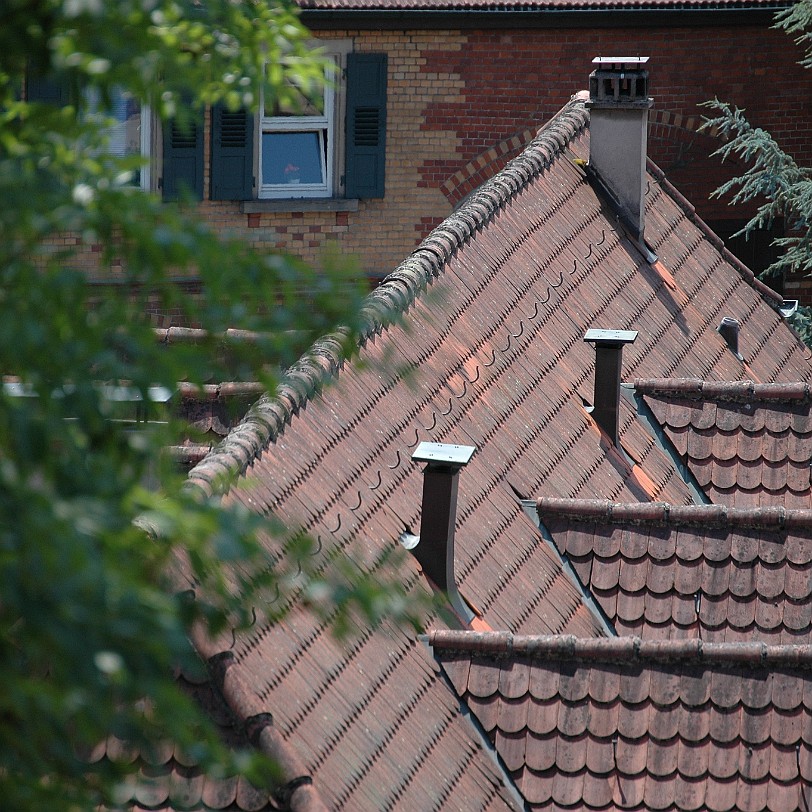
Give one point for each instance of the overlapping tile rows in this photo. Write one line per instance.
(747, 444)
(703, 571)
(620, 723)
(476, 339)
(170, 779)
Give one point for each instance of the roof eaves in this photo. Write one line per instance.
(266, 420)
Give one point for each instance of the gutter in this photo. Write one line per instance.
(400, 19)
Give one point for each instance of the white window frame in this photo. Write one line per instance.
(326, 126)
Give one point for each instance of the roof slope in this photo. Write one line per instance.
(747, 444)
(477, 338)
(706, 572)
(625, 724)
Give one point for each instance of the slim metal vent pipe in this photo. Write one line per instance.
(438, 515)
(729, 330)
(608, 367)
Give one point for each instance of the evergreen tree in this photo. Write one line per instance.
(782, 188)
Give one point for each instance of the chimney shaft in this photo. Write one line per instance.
(438, 516)
(608, 368)
(618, 127)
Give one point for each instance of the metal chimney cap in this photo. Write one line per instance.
(628, 62)
(445, 454)
(610, 338)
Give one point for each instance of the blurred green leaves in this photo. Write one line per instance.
(101, 544)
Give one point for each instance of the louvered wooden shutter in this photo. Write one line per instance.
(49, 90)
(232, 154)
(365, 158)
(183, 158)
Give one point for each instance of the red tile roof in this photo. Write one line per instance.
(477, 338)
(627, 724)
(704, 571)
(747, 444)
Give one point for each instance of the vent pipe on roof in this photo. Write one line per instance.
(608, 367)
(618, 132)
(729, 330)
(438, 516)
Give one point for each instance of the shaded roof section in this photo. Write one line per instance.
(700, 571)
(747, 444)
(476, 339)
(169, 778)
(620, 723)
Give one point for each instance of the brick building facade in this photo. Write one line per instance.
(466, 92)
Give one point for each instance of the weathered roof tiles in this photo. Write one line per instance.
(746, 443)
(621, 723)
(699, 571)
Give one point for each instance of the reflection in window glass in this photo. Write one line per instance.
(293, 158)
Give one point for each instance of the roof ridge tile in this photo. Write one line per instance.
(622, 649)
(745, 391)
(768, 517)
(766, 292)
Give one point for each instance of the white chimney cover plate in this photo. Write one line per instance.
(446, 453)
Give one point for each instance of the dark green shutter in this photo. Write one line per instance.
(183, 158)
(48, 90)
(232, 154)
(365, 158)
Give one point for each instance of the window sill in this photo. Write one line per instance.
(302, 204)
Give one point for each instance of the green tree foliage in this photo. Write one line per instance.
(773, 179)
(91, 622)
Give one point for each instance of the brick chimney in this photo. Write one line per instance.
(618, 129)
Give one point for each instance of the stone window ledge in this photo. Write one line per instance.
(308, 204)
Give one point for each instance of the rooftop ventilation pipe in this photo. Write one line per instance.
(438, 516)
(608, 367)
(618, 127)
(729, 330)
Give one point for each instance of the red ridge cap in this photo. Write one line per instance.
(659, 513)
(742, 391)
(623, 649)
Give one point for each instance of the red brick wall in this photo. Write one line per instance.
(461, 103)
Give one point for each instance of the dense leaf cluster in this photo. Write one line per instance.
(94, 611)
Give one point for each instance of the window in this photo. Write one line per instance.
(297, 143)
(127, 122)
(331, 147)
(128, 130)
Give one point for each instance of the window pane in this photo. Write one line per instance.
(293, 158)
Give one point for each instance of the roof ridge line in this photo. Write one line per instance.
(740, 391)
(772, 298)
(775, 518)
(267, 418)
(633, 650)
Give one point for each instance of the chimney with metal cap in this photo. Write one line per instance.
(618, 132)
(434, 548)
(608, 367)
